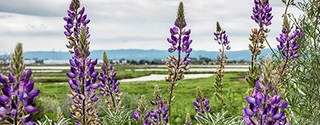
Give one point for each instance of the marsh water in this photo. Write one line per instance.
(153, 77)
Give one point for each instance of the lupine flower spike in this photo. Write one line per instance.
(160, 115)
(222, 38)
(287, 43)
(262, 16)
(82, 78)
(110, 85)
(141, 112)
(265, 107)
(180, 41)
(18, 94)
(201, 104)
(188, 120)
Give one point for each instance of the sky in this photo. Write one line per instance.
(131, 24)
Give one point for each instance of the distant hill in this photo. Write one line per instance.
(137, 54)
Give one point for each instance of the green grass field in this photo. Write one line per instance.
(53, 95)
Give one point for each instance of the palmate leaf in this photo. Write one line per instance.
(63, 121)
(122, 117)
(218, 119)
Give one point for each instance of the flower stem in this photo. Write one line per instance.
(174, 82)
(271, 49)
(111, 94)
(84, 95)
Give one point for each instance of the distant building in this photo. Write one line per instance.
(55, 61)
(114, 61)
(29, 61)
(123, 62)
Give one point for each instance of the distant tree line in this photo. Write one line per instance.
(203, 61)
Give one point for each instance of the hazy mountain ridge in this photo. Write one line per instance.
(137, 54)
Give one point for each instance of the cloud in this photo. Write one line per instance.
(135, 24)
(35, 7)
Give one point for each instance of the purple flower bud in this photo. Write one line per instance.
(66, 19)
(72, 85)
(94, 99)
(29, 86)
(3, 98)
(247, 120)
(6, 91)
(187, 61)
(135, 115)
(95, 86)
(174, 31)
(23, 75)
(283, 105)
(72, 63)
(11, 77)
(86, 22)
(3, 111)
(206, 102)
(274, 110)
(249, 112)
(250, 100)
(278, 116)
(94, 74)
(28, 101)
(171, 50)
(3, 80)
(113, 74)
(94, 62)
(187, 32)
(27, 119)
(34, 93)
(185, 39)
(71, 75)
(30, 109)
(13, 112)
(82, 11)
(67, 33)
(29, 73)
(71, 14)
(84, 17)
(153, 102)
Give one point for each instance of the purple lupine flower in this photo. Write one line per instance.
(18, 94)
(262, 16)
(221, 37)
(109, 85)
(135, 115)
(180, 41)
(141, 114)
(160, 113)
(262, 13)
(265, 108)
(158, 116)
(287, 42)
(83, 76)
(82, 82)
(180, 37)
(201, 104)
